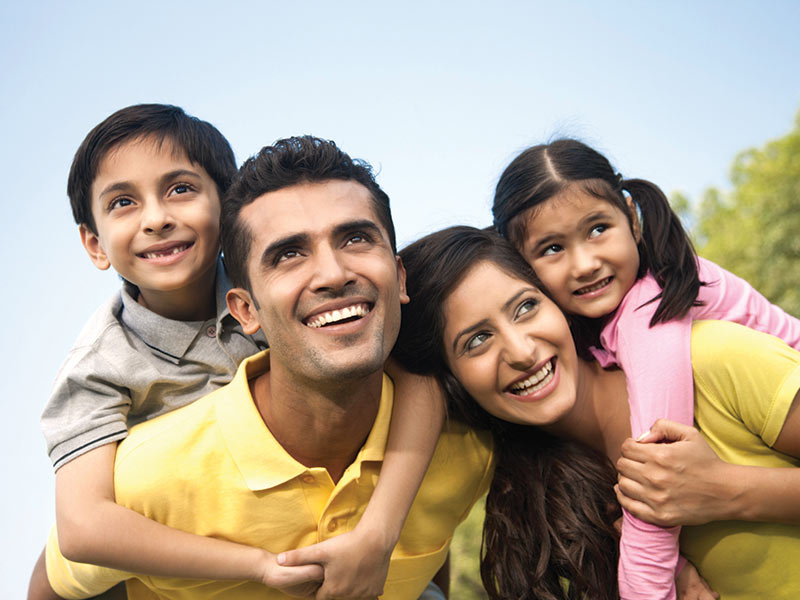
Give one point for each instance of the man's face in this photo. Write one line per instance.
(325, 284)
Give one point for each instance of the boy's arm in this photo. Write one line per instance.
(356, 563)
(92, 528)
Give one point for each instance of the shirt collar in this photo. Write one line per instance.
(168, 336)
(262, 461)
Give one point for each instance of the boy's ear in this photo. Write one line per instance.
(94, 248)
(401, 276)
(636, 224)
(243, 309)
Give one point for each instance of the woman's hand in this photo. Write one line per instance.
(671, 476)
(691, 586)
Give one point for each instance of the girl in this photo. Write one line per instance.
(479, 322)
(615, 258)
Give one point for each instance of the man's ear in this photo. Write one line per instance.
(401, 277)
(243, 309)
(636, 224)
(93, 247)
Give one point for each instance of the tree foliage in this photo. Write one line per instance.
(754, 230)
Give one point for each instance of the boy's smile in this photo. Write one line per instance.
(157, 219)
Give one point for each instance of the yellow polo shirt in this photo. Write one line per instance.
(745, 382)
(213, 468)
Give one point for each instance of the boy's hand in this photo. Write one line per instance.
(691, 586)
(678, 481)
(303, 580)
(356, 564)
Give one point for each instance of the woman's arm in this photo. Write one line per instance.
(685, 482)
(92, 528)
(356, 563)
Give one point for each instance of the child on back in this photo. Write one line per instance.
(615, 257)
(145, 189)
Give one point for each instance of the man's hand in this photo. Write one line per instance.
(303, 580)
(691, 586)
(678, 481)
(355, 563)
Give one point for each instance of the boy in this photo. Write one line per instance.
(145, 189)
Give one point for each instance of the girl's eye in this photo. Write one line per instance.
(551, 249)
(181, 188)
(526, 307)
(121, 202)
(597, 230)
(476, 340)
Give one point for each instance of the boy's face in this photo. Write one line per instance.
(157, 219)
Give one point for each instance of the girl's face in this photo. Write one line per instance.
(583, 250)
(510, 347)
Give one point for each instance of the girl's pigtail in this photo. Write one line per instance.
(666, 250)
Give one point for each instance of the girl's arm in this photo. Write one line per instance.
(356, 563)
(658, 370)
(92, 528)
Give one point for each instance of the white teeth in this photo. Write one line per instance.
(592, 288)
(535, 382)
(356, 310)
(170, 252)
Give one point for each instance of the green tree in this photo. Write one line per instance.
(754, 230)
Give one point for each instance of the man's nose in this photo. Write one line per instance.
(331, 271)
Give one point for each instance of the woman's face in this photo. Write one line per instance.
(510, 347)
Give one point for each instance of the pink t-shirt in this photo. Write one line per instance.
(658, 368)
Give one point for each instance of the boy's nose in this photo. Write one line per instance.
(156, 218)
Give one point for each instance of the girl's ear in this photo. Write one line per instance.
(94, 248)
(636, 223)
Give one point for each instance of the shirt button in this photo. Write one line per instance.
(308, 479)
(332, 525)
(211, 331)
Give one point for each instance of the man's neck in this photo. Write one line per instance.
(319, 426)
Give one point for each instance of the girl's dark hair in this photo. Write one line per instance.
(543, 171)
(551, 506)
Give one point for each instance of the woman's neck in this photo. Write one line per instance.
(600, 418)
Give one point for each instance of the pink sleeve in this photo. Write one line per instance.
(658, 370)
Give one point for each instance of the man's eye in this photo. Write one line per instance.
(551, 249)
(476, 340)
(288, 255)
(357, 238)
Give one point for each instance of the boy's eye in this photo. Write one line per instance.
(121, 202)
(551, 249)
(476, 340)
(597, 230)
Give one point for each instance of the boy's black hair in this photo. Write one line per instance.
(541, 172)
(203, 143)
(288, 162)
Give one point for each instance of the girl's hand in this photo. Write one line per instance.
(355, 563)
(677, 481)
(300, 581)
(691, 586)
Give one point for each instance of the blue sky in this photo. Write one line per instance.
(439, 96)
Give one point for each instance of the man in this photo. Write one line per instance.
(289, 452)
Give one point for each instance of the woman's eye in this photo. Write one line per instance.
(476, 340)
(526, 307)
(597, 230)
(551, 249)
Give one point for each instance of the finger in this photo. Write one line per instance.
(638, 509)
(303, 556)
(665, 430)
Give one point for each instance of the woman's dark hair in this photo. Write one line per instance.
(551, 506)
(541, 172)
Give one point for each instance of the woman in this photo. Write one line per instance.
(480, 323)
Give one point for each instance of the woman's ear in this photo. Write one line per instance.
(93, 247)
(243, 308)
(636, 223)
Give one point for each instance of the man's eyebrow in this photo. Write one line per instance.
(366, 225)
(290, 241)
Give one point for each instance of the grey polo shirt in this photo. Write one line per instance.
(130, 364)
